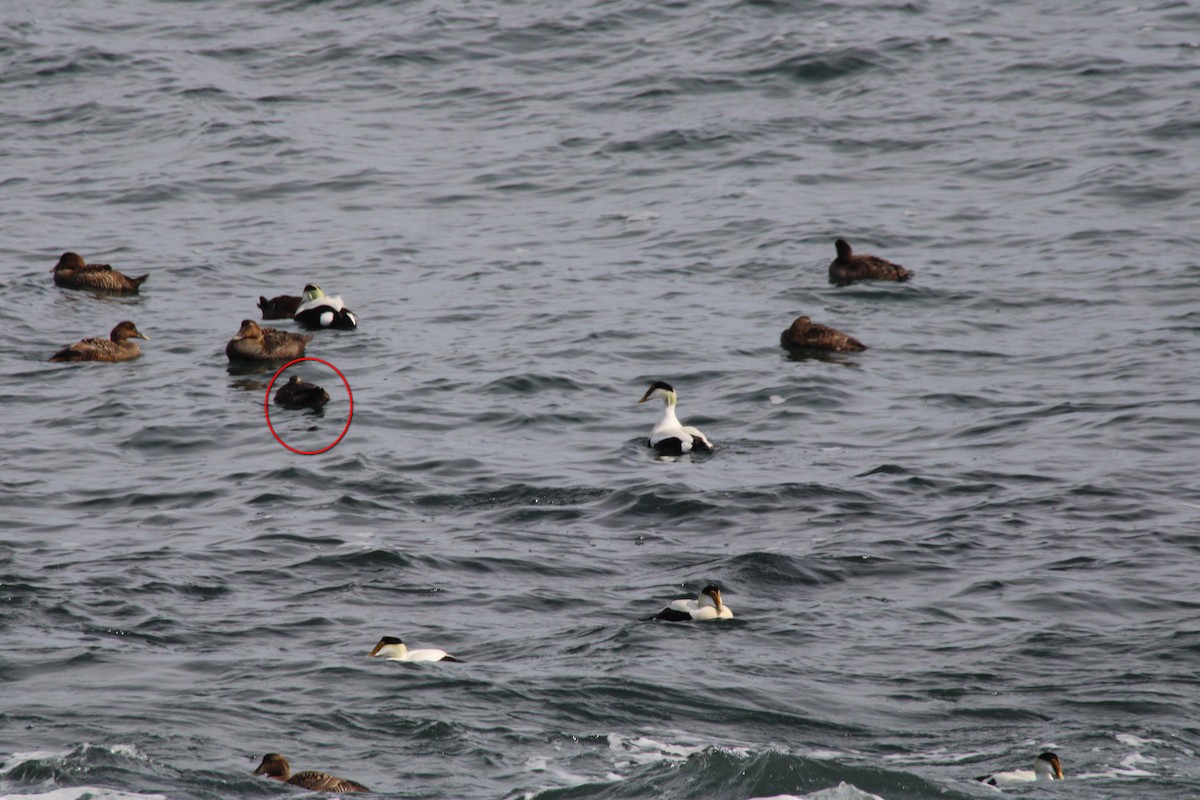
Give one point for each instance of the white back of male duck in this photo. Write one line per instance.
(319, 310)
(848, 268)
(669, 436)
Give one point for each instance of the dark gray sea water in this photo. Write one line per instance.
(977, 540)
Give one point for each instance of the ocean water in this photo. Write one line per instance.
(974, 541)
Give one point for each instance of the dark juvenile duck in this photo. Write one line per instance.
(299, 393)
(318, 310)
(848, 268)
(73, 272)
(806, 333)
(253, 343)
(116, 347)
(282, 307)
(276, 766)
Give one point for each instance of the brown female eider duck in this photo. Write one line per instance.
(848, 268)
(707, 606)
(299, 393)
(319, 310)
(276, 766)
(669, 436)
(253, 343)
(72, 272)
(282, 307)
(393, 649)
(115, 348)
(806, 333)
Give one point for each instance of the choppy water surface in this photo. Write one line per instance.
(974, 541)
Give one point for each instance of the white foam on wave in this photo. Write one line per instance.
(843, 791)
(86, 793)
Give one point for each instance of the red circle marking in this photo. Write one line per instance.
(267, 406)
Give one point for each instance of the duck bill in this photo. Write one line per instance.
(646, 396)
(717, 599)
(375, 650)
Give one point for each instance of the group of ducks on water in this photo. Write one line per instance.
(253, 343)
(315, 310)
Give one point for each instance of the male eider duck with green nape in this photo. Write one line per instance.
(116, 347)
(318, 310)
(393, 649)
(276, 766)
(1046, 767)
(707, 606)
(668, 436)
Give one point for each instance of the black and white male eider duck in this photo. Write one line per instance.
(668, 436)
(282, 307)
(393, 649)
(276, 766)
(299, 393)
(116, 347)
(318, 310)
(848, 268)
(72, 272)
(707, 606)
(804, 333)
(1046, 767)
(253, 343)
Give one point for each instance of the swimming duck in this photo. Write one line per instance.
(299, 393)
(668, 436)
(806, 333)
(391, 648)
(73, 272)
(276, 766)
(706, 606)
(1046, 767)
(253, 343)
(318, 310)
(282, 307)
(848, 268)
(116, 347)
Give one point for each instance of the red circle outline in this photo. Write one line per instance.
(267, 406)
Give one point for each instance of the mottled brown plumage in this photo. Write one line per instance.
(805, 333)
(276, 766)
(253, 343)
(848, 268)
(116, 347)
(73, 272)
(282, 307)
(299, 393)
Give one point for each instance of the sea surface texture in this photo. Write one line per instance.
(977, 540)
